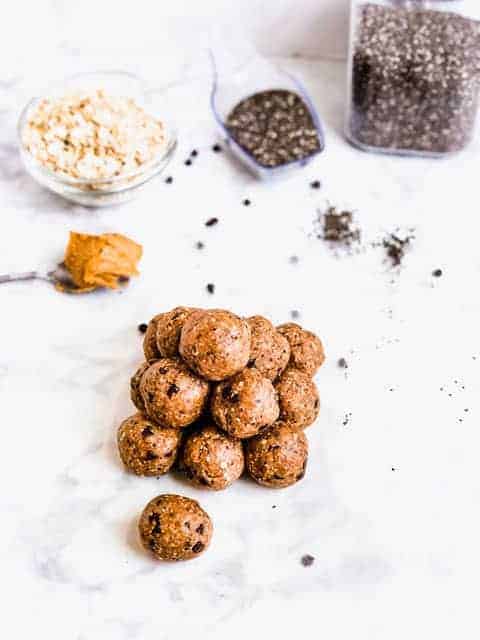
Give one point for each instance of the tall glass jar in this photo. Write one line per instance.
(414, 75)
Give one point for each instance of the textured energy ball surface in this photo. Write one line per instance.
(270, 350)
(146, 448)
(150, 348)
(135, 394)
(306, 349)
(173, 395)
(215, 343)
(278, 456)
(298, 398)
(173, 527)
(212, 458)
(245, 404)
(168, 329)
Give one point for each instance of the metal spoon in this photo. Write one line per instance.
(60, 276)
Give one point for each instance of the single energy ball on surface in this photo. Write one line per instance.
(211, 458)
(150, 348)
(173, 395)
(270, 350)
(245, 404)
(173, 527)
(215, 343)
(277, 457)
(169, 326)
(135, 394)
(306, 349)
(298, 398)
(145, 448)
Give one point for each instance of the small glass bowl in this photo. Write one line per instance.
(106, 191)
(233, 84)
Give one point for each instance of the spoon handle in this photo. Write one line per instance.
(27, 275)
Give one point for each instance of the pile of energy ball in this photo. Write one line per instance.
(217, 394)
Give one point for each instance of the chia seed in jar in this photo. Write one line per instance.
(415, 77)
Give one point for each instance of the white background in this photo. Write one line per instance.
(389, 506)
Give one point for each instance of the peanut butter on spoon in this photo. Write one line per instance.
(90, 262)
(99, 261)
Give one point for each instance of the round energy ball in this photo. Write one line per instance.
(306, 349)
(173, 395)
(298, 399)
(135, 394)
(212, 458)
(173, 527)
(270, 350)
(145, 448)
(150, 348)
(215, 343)
(277, 457)
(245, 404)
(169, 327)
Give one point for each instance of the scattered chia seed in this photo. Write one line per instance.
(194, 153)
(307, 560)
(346, 419)
(438, 273)
(216, 148)
(294, 314)
(275, 127)
(211, 288)
(246, 202)
(199, 246)
(338, 227)
(342, 363)
(169, 180)
(294, 260)
(315, 184)
(211, 222)
(142, 327)
(415, 78)
(397, 246)
(188, 162)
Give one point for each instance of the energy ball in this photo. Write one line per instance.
(277, 457)
(150, 348)
(212, 458)
(169, 327)
(298, 399)
(215, 343)
(306, 349)
(245, 404)
(269, 351)
(135, 394)
(173, 395)
(173, 527)
(145, 448)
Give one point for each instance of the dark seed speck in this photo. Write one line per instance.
(307, 560)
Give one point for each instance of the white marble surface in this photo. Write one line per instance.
(389, 506)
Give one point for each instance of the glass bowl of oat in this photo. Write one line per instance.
(97, 139)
